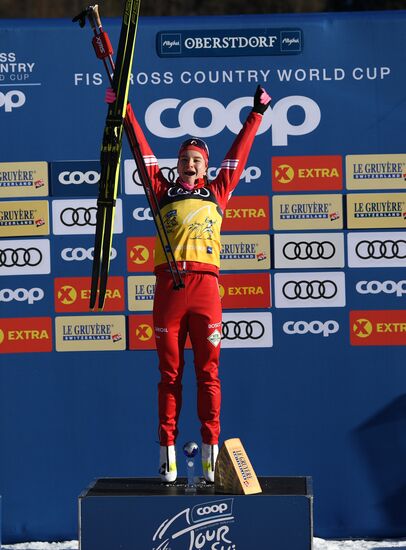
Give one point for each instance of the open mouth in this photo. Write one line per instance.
(190, 173)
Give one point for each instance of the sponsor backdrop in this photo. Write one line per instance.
(313, 258)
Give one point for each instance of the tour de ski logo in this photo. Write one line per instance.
(205, 526)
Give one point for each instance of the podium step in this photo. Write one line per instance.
(145, 514)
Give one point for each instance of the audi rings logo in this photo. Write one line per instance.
(20, 257)
(168, 173)
(21, 295)
(79, 216)
(377, 249)
(80, 254)
(312, 250)
(305, 290)
(314, 327)
(243, 330)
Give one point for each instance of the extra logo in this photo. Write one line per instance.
(73, 294)
(377, 249)
(141, 332)
(140, 254)
(313, 327)
(245, 290)
(203, 526)
(26, 335)
(78, 217)
(322, 173)
(247, 330)
(275, 119)
(242, 210)
(318, 289)
(378, 328)
(25, 257)
(75, 178)
(13, 99)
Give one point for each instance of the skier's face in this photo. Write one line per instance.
(191, 166)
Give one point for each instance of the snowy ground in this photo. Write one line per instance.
(318, 544)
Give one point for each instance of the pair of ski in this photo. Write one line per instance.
(119, 76)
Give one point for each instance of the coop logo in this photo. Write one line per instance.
(275, 118)
(377, 287)
(30, 296)
(25, 335)
(80, 254)
(318, 173)
(205, 526)
(168, 168)
(77, 178)
(13, 99)
(142, 214)
(314, 327)
(378, 328)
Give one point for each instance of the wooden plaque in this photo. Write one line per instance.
(234, 473)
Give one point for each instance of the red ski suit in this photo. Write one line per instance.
(193, 221)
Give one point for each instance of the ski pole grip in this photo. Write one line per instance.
(96, 15)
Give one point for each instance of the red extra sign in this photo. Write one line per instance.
(378, 328)
(316, 173)
(140, 254)
(245, 290)
(141, 332)
(73, 294)
(25, 335)
(247, 214)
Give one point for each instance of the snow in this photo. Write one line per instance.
(318, 544)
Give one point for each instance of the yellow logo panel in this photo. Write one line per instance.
(28, 218)
(141, 292)
(23, 179)
(376, 171)
(375, 210)
(241, 252)
(90, 333)
(307, 212)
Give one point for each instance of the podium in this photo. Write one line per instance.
(145, 514)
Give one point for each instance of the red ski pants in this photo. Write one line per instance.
(195, 309)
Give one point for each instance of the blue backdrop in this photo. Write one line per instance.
(312, 404)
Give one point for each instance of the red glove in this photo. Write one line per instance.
(110, 96)
(261, 100)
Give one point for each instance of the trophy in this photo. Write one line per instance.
(190, 450)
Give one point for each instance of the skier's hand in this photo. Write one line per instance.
(110, 96)
(261, 101)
